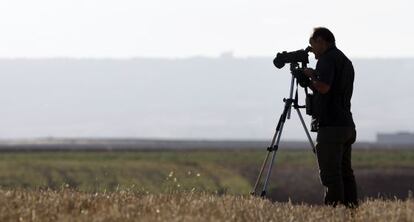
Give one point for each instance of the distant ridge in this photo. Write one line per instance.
(125, 144)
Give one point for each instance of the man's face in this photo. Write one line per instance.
(318, 46)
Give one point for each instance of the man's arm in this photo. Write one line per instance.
(317, 85)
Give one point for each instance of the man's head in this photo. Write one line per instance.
(320, 40)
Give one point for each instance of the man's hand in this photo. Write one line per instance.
(309, 72)
(321, 87)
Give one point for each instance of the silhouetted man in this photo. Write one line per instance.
(332, 84)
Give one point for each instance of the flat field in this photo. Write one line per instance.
(387, 173)
(193, 185)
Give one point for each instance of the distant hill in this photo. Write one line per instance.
(195, 98)
(131, 144)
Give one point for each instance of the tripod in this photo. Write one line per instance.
(289, 103)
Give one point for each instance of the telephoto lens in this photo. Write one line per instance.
(292, 57)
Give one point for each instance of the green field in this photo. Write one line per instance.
(295, 174)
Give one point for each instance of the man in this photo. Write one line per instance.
(332, 84)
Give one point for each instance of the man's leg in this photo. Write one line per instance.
(329, 159)
(350, 187)
(329, 153)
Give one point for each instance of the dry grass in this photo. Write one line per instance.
(69, 205)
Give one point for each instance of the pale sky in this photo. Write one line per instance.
(184, 28)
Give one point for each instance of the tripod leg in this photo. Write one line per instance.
(272, 162)
(306, 130)
(270, 149)
(279, 129)
(260, 175)
(273, 148)
(292, 85)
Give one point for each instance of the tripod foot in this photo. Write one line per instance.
(263, 194)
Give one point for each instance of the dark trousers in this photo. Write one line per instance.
(333, 148)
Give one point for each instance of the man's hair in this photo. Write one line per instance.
(323, 33)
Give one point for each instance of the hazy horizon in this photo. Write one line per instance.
(194, 98)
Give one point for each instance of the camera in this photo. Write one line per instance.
(294, 58)
(299, 56)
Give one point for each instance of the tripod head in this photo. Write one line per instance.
(295, 66)
(298, 73)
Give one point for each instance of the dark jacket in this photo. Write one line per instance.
(333, 109)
